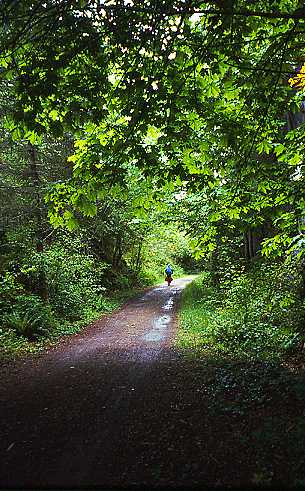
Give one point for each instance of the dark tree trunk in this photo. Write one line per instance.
(117, 253)
(302, 294)
(42, 287)
(214, 268)
(249, 243)
(138, 261)
(252, 241)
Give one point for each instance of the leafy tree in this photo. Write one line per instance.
(193, 90)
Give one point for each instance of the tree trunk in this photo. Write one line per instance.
(138, 261)
(214, 268)
(117, 253)
(302, 294)
(252, 240)
(42, 287)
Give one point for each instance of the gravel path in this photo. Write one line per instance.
(71, 417)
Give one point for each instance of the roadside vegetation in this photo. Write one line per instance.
(243, 331)
(249, 314)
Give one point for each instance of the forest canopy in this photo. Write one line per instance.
(194, 94)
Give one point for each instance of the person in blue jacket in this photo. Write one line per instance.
(168, 272)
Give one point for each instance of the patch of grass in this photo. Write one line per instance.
(197, 315)
(262, 404)
(241, 334)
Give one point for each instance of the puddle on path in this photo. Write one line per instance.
(169, 304)
(159, 330)
(153, 336)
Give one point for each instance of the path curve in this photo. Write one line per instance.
(72, 416)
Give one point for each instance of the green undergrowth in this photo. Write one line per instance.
(256, 315)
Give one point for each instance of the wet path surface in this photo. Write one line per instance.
(71, 417)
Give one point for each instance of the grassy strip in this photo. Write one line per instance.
(197, 316)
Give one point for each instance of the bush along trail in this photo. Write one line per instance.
(132, 400)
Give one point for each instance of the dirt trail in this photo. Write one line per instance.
(70, 416)
(117, 405)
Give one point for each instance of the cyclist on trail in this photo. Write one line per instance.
(168, 272)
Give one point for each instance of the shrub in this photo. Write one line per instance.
(72, 278)
(30, 317)
(9, 288)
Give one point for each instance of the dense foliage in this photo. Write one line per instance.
(193, 91)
